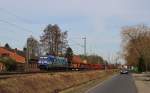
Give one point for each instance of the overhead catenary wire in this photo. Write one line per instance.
(80, 45)
(3, 10)
(25, 20)
(14, 15)
(76, 43)
(15, 25)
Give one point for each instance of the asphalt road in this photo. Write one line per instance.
(118, 84)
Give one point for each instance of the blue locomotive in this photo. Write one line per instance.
(52, 62)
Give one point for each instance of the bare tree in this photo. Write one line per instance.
(136, 45)
(32, 48)
(64, 43)
(53, 40)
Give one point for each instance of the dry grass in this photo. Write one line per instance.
(83, 87)
(47, 83)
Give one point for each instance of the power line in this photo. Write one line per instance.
(83, 46)
(17, 17)
(15, 25)
(13, 14)
(76, 43)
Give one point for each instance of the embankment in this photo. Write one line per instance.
(49, 82)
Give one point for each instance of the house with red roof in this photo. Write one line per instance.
(13, 55)
(4, 52)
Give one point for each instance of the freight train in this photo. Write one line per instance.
(60, 63)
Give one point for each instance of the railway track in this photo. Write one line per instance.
(6, 75)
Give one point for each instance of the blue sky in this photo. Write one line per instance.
(99, 20)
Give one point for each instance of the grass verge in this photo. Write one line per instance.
(51, 82)
(82, 88)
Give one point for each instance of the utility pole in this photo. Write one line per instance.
(84, 38)
(27, 55)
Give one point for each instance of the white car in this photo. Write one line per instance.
(124, 71)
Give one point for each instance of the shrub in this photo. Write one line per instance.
(9, 63)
